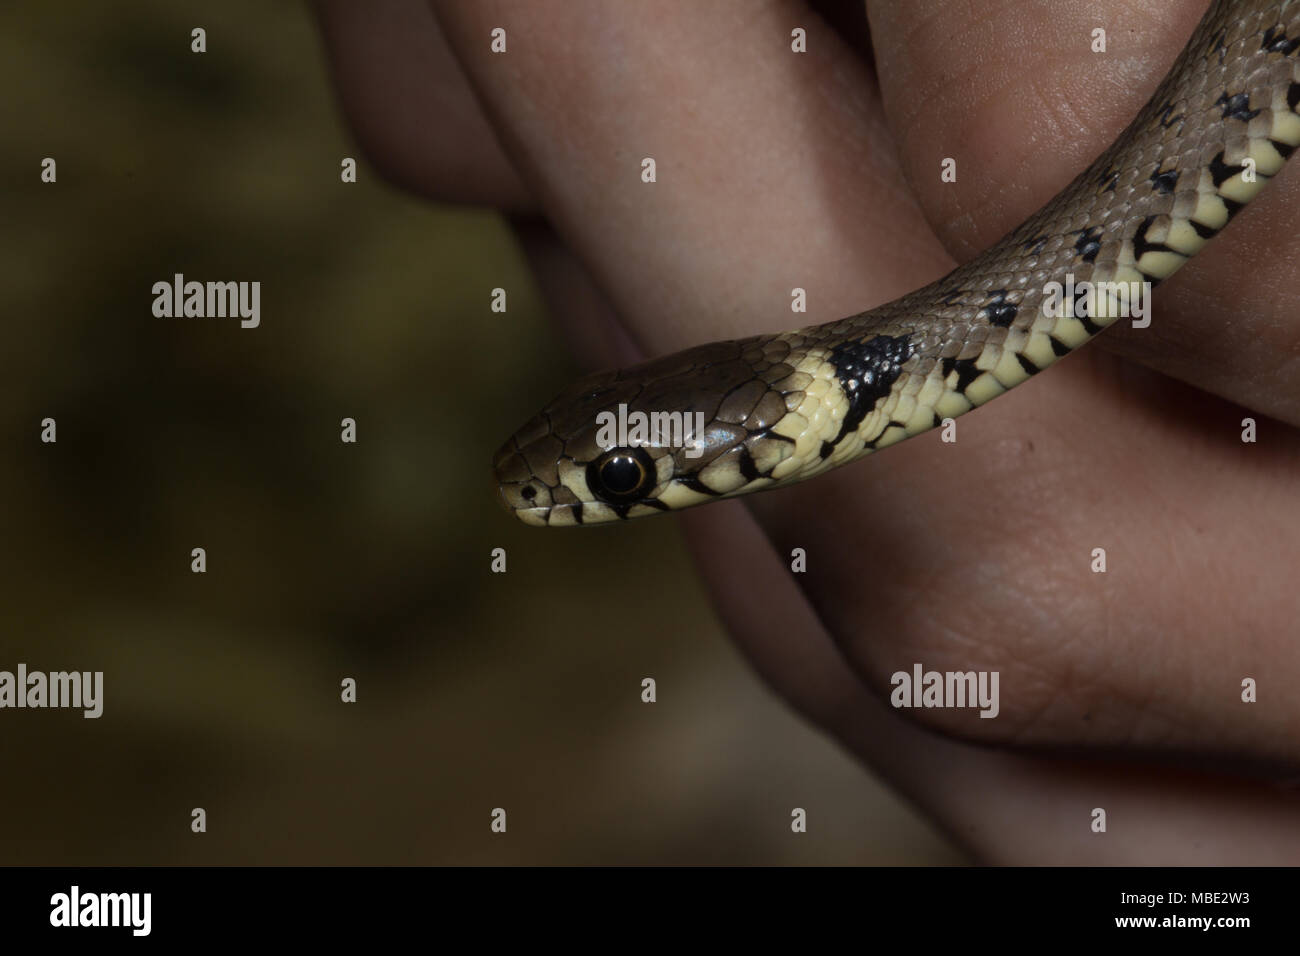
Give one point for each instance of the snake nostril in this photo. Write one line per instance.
(529, 492)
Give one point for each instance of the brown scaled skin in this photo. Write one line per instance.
(713, 381)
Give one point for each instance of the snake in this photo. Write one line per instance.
(753, 414)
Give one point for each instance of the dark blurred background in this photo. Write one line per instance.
(327, 560)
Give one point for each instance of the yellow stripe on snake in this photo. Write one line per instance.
(777, 409)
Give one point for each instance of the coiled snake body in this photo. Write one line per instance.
(783, 408)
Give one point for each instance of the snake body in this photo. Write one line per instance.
(783, 408)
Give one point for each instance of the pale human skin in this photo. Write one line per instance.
(775, 170)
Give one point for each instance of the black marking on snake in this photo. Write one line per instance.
(1059, 348)
(1165, 119)
(1108, 179)
(999, 311)
(1283, 149)
(1202, 230)
(1275, 41)
(1142, 245)
(771, 435)
(1293, 96)
(1036, 245)
(884, 431)
(1026, 364)
(577, 512)
(1081, 313)
(876, 441)
(1164, 180)
(951, 296)
(693, 482)
(1089, 243)
(867, 370)
(1218, 46)
(966, 372)
(1221, 172)
(623, 508)
(1236, 106)
(748, 469)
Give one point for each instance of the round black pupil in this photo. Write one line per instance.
(621, 475)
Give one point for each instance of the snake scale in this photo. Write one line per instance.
(783, 408)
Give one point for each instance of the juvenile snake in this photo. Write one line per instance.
(783, 408)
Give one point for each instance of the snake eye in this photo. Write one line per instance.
(621, 474)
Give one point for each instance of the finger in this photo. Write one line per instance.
(1016, 94)
(410, 107)
(1003, 807)
(579, 307)
(773, 168)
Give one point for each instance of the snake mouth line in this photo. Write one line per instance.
(522, 493)
(537, 517)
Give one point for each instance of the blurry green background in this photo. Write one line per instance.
(326, 560)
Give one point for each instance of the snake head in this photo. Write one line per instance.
(659, 436)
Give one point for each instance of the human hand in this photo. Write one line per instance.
(1119, 690)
